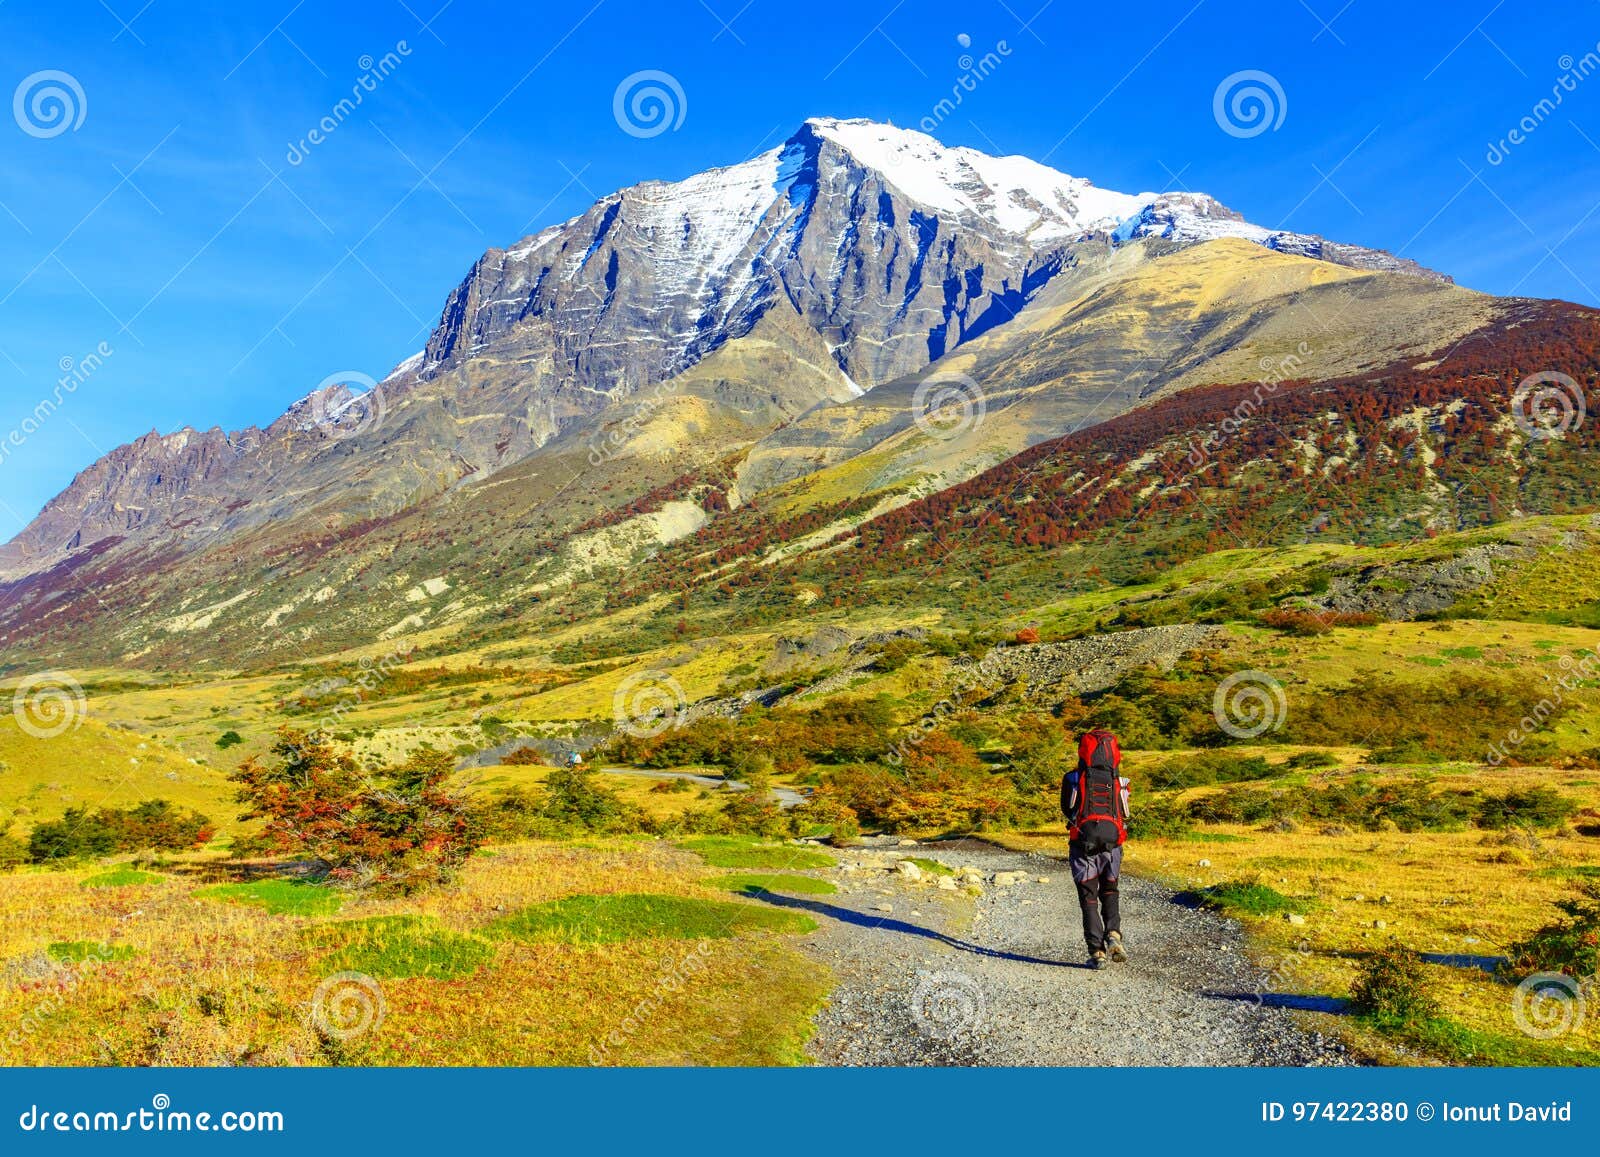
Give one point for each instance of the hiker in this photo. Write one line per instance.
(574, 759)
(1094, 800)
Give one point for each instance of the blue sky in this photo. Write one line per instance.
(171, 225)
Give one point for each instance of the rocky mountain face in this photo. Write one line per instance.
(891, 248)
(685, 347)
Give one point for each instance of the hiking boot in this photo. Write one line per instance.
(1118, 952)
(1098, 961)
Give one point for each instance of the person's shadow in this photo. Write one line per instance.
(890, 924)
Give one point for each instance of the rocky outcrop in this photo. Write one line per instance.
(1404, 591)
(1049, 672)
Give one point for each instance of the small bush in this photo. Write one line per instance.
(229, 739)
(573, 799)
(82, 834)
(1296, 621)
(1207, 767)
(1571, 946)
(1534, 807)
(1393, 986)
(1309, 760)
(1158, 819)
(13, 852)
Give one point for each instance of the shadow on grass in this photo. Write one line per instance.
(1489, 964)
(890, 924)
(248, 871)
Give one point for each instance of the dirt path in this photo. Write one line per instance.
(943, 979)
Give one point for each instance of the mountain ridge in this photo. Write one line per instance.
(942, 284)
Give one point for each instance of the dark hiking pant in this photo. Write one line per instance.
(1102, 910)
(1096, 876)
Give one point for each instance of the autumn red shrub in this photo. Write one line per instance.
(397, 828)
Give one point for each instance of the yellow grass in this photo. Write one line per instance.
(212, 982)
(93, 766)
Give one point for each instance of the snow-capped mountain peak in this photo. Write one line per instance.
(1015, 194)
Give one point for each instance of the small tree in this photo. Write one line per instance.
(399, 827)
(572, 799)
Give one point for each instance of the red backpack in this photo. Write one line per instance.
(1099, 824)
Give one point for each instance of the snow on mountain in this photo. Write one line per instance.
(1015, 194)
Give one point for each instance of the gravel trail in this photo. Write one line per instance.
(945, 979)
